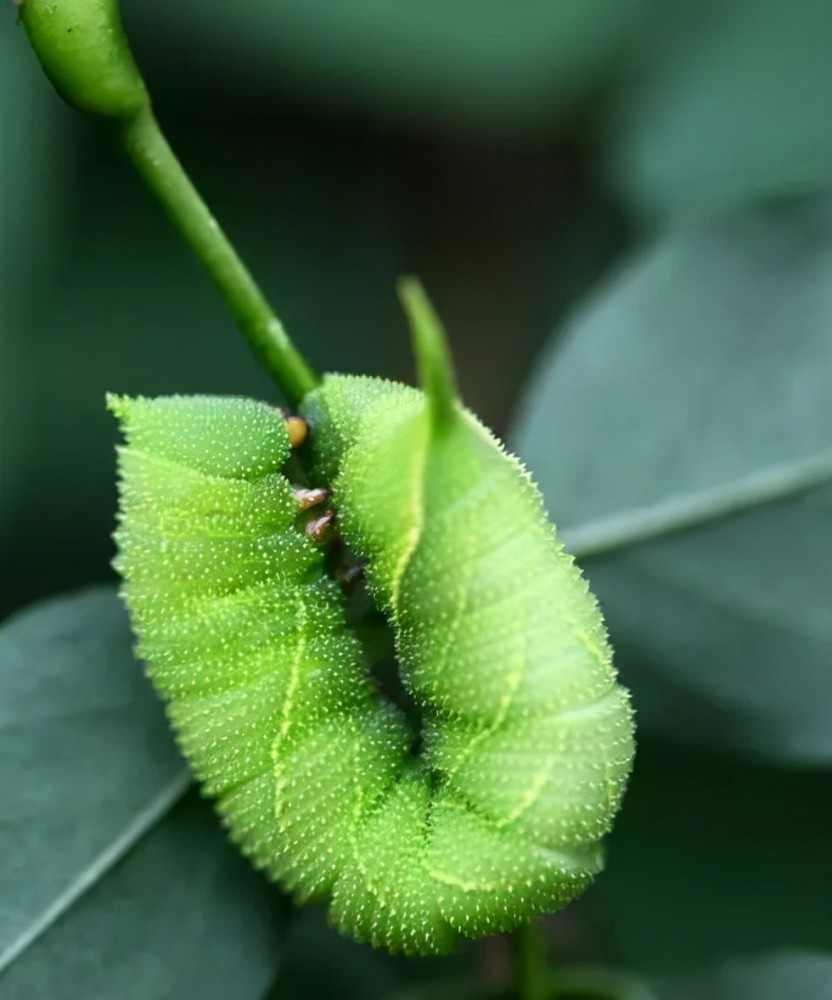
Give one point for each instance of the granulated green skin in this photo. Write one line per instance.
(527, 738)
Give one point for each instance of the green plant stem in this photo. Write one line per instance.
(162, 172)
(530, 968)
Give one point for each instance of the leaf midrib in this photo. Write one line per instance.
(641, 524)
(89, 876)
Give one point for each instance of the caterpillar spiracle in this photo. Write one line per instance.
(494, 809)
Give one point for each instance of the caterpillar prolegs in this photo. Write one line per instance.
(526, 738)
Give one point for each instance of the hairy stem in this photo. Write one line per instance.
(162, 172)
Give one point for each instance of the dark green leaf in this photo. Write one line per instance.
(710, 860)
(88, 762)
(104, 892)
(181, 916)
(730, 104)
(682, 434)
(784, 975)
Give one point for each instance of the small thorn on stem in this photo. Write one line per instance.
(297, 429)
(310, 498)
(320, 528)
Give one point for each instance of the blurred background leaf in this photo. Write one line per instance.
(783, 975)
(723, 104)
(182, 915)
(88, 759)
(89, 770)
(712, 859)
(695, 477)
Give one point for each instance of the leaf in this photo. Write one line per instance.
(88, 762)
(97, 897)
(682, 434)
(780, 975)
(182, 915)
(729, 105)
(711, 859)
(489, 66)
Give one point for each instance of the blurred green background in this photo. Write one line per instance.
(624, 215)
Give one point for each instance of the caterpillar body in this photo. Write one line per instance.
(526, 739)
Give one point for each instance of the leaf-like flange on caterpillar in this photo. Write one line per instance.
(527, 738)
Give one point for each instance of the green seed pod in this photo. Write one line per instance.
(84, 52)
(525, 739)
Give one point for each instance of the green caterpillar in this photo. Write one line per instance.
(525, 739)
